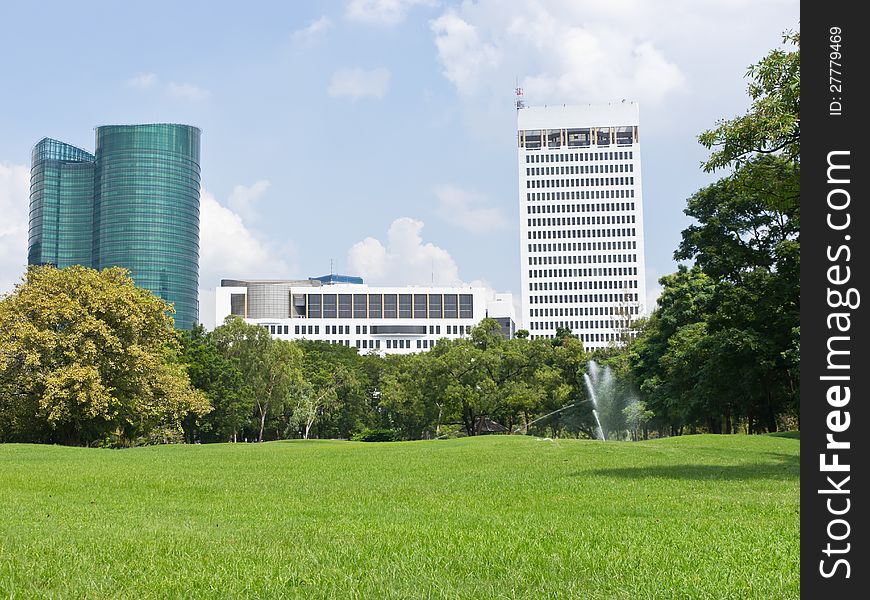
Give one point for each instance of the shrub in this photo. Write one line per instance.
(376, 435)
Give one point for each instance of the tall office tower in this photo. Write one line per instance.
(134, 203)
(581, 221)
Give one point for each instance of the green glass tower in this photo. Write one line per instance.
(61, 205)
(134, 203)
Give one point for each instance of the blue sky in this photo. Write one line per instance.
(376, 136)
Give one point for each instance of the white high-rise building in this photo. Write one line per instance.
(581, 221)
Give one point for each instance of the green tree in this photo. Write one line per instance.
(412, 394)
(335, 384)
(269, 367)
(85, 357)
(772, 124)
(222, 382)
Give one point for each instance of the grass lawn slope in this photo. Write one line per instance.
(495, 517)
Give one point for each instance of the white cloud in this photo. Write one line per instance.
(468, 210)
(360, 83)
(187, 91)
(143, 80)
(404, 260)
(243, 198)
(382, 12)
(462, 52)
(229, 249)
(312, 32)
(563, 52)
(14, 206)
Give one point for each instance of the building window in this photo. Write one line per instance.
(329, 306)
(314, 301)
(359, 306)
(419, 306)
(344, 306)
(404, 306)
(374, 306)
(391, 303)
(237, 304)
(465, 306)
(451, 309)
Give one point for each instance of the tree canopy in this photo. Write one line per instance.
(772, 124)
(86, 357)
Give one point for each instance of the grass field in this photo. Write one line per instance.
(497, 517)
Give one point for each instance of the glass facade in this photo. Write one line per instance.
(147, 199)
(61, 205)
(134, 203)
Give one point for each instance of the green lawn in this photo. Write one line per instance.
(495, 517)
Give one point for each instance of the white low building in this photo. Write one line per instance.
(344, 310)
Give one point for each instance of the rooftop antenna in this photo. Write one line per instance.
(331, 270)
(520, 100)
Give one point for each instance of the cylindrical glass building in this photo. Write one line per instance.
(146, 207)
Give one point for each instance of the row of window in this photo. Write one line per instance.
(618, 324)
(579, 156)
(407, 344)
(574, 195)
(574, 208)
(537, 139)
(582, 285)
(584, 246)
(565, 286)
(590, 337)
(386, 306)
(592, 272)
(599, 220)
(575, 311)
(580, 233)
(581, 182)
(580, 169)
(360, 329)
(587, 299)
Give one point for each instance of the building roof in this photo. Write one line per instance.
(336, 278)
(586, 115)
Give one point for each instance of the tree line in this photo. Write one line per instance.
(87, 358)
